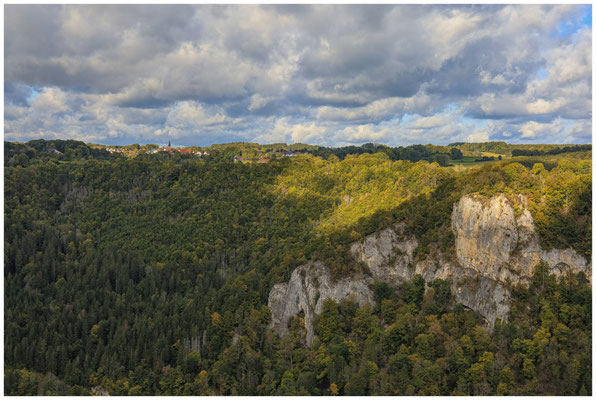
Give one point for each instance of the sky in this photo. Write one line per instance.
(331, 75)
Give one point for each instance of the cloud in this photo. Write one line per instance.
(285, 131)
(50, 100)
(363, 133)
(330, 74)
(192, 114)
(257, 102)
(533, 129)
(376, 111)
(565, 131)
(431, 122)
(481, 136)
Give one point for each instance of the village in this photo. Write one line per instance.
(246, 155)
(263, 157)
(134, 150)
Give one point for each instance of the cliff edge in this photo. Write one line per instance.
(494, 248)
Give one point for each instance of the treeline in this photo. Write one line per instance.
(41, 150)
(504, 148)
(414, 153)
(485, 158)
(560, 150)
(238, 147)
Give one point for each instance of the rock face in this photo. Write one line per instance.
(389, 254)
(494, 248)
(309, 286)
(490, 240)
(485, 236)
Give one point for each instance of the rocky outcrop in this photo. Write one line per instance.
(495, 246)
(99, 391)
(309, 286)
(490, 240)
(389, 254)
(485, 235)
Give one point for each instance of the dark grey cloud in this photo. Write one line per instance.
(328, 74)
(17, 93)
(468, 73)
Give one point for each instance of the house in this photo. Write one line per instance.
(263, 160)
(185, 151)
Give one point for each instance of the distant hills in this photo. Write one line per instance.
(458, 153)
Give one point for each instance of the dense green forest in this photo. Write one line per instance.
(509, 148)
(150, 275)
(558, 150)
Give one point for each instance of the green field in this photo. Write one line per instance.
(470, 161)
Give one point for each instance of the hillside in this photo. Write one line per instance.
(152, 273)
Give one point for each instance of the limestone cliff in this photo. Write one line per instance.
(493, 249)
(309, 286)
(490, 240)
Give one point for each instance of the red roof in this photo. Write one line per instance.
(185, 151)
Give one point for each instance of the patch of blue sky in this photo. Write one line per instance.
(405, 118)
(571, 26)
(587, 17)
(541, 74)
(32, 95)
(476, 122)
(451, 107)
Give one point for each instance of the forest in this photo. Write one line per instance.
(150, 275)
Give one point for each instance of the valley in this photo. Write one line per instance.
(357, 270)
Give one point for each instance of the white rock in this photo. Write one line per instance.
(494, 249)
(309, 286)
